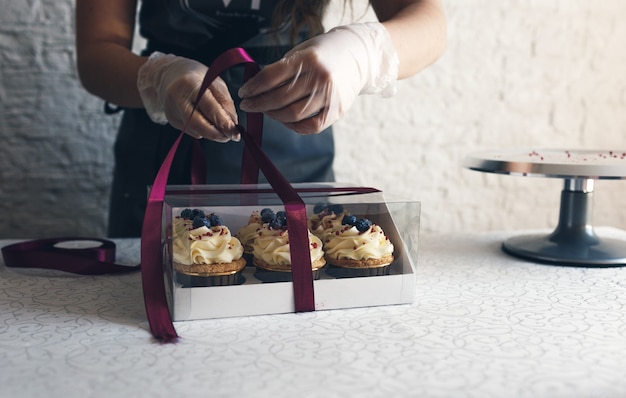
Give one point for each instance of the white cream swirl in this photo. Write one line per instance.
(213, 245)
(180, 240)
(348, 242)
(320, 224)
(248, 233)
(272, 246)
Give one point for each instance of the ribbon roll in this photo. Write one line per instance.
(85, 256)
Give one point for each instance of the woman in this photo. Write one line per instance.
(302, 90)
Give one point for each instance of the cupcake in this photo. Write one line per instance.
(248, 233)
(325, 217)
(181, 225)
(271, 251)
(204, 252)
(358, 247)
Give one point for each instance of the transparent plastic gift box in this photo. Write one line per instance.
(252, 292)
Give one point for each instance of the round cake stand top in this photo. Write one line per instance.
(574, 241)
(554, 163)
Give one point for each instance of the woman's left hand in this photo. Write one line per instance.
(316, 82)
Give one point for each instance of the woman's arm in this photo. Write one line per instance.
(417, 29)
(106, 65)
(169, 84)
(314, 84)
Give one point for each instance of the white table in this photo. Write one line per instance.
(483, 325)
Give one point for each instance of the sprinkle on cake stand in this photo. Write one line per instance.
(573, 242)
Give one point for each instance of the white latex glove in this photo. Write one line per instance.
(168, 86)
(316, 82)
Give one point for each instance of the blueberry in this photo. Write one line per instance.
(337, 209)
(267, 215)
(363, 224)
(186, 214)
(282, 221)
(348, 220)
(196, 213)
(320, 207)
(277, 223)
(215, 220)
(200, 222)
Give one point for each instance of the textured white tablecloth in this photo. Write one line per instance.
(483, 325)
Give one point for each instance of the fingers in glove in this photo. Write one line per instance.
(301, 106)
(300, 109)
(199, 127)
(283, 83)
(218, 108)
(311, 125)
(290, 92)
(269, 78)
(215, 117)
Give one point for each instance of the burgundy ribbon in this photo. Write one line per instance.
(52, 254)
(157, 310)
(301, 271)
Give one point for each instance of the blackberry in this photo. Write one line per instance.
(186, 214)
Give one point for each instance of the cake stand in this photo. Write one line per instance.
(574, 241)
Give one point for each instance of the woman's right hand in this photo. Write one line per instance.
(169, 85)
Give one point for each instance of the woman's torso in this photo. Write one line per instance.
(202, 29)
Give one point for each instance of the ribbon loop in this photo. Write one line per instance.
(153, 282)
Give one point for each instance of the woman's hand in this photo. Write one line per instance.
(315, 83)
(169, 85)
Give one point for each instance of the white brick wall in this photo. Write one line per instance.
(532, 74)
(55, 158)
(539, 74)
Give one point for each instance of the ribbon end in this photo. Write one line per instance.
(167, 339)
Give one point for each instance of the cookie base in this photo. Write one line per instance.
(282, 273)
